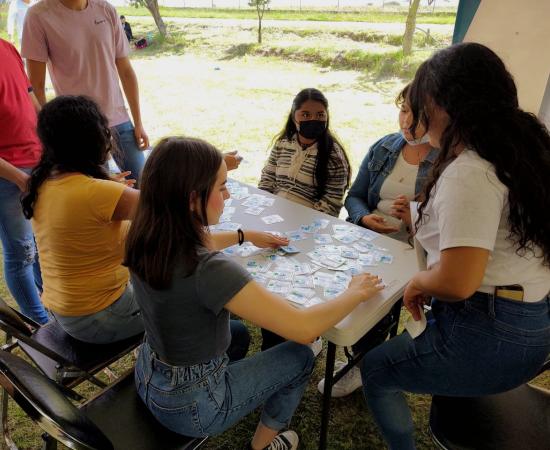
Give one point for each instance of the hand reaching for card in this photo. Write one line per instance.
(265, 240)
(378, 224)
(121, 178)
(401, 209)
(365, 285)
(232, 159)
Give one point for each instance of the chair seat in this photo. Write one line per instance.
(513, 420)
(121, 415)
(89, 357)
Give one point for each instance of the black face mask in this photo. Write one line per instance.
(312, 129)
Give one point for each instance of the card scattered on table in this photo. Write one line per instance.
(275, 218)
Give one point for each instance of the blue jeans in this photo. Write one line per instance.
(21, 267)
(120, 320)
(478, 347)
(206, 399)
(130, 157)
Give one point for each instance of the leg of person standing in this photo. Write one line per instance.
(21, 268)
(129, 157)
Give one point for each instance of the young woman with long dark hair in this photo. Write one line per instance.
(186, 289)
(79, 217)
(307, 163)
(483, 222)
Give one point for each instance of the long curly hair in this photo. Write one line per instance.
(325, 142)
(471, 84)
(75, 138)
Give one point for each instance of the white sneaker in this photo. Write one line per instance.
(287, 440)
(316, 346)
(347, 384)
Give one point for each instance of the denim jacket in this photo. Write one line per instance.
(364, 195)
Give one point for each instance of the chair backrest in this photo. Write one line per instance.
(11, 321)
(41, 399)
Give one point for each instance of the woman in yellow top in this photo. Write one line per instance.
(79, 217)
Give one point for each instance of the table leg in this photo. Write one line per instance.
(325, 414)
(396, 312)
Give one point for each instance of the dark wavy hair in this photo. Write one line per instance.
(325, 142)
(75, 138)
(165, 233)
(401, 97)
(471, 83)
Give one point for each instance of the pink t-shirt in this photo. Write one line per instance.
(80, 48)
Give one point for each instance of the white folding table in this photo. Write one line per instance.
(365, 316)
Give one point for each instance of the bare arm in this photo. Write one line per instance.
(129, 83)
(127, 205)
(37, 77)
(13, 174)
(267, 310)
(457, 276)
(224, 239)
(35, 102)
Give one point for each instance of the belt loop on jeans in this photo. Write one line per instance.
(491, 305)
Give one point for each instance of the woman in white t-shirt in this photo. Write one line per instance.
(484, 225)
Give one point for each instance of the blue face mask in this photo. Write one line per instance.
(423, 140)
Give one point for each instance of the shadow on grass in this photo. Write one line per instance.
(238, 51)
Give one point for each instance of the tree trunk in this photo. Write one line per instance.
(259, 31)
(153, 7)
(410, 27)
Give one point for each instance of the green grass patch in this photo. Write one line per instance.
(419, 40)
(373, 16)
(377, 65)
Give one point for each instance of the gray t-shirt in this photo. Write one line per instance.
(187, 323)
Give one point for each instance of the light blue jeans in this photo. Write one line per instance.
(21, 266)
(206, 399)
(477, 347)
(130, 156)
(120, 320)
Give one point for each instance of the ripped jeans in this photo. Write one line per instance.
(21, 267)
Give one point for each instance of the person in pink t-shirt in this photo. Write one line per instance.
(83, 44)
(20, 150)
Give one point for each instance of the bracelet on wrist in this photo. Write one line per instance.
(240, 234)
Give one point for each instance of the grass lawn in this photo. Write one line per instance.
(216, 83)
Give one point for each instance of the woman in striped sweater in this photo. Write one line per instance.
(307, 164)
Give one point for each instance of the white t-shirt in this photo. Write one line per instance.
(469, 208)
(401, 181)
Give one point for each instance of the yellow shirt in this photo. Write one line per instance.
(80, 248)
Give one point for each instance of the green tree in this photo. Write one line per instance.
(260, 6)
(410, 27)
(153, 7)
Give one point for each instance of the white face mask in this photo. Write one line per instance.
(423, 140)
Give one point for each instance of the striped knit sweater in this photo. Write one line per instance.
(289, 172)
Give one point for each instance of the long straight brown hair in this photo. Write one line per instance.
(165, 233)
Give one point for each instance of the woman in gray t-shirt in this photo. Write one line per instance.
(186, 290)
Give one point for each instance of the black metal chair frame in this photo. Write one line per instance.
(19, 330)
(73, 426)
